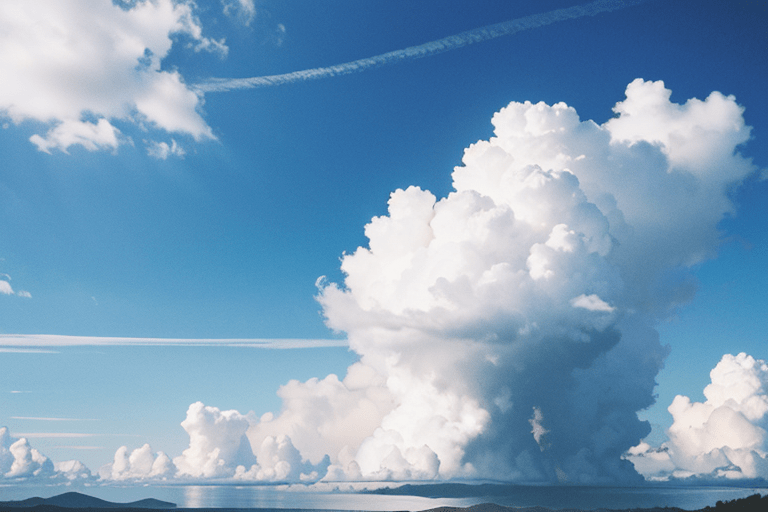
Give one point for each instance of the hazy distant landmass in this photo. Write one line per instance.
(78, 500)
(459, 490)
(754, 503)
(68, 502)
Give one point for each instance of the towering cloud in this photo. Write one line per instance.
(506, 330)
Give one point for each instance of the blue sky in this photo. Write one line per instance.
(269, 187)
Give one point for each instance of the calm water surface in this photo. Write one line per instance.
(230, 496)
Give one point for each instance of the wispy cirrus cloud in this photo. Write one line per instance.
(52, 435)
(445, 44)
(8, 350)
(32, 342)
(34, 418)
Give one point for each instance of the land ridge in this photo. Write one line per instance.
(77, 500)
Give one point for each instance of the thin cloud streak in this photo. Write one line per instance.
(48, 340)
(504, 28)
(26, 351)
(51, 419)
(65, 435)
(75, 447)
(46, 435)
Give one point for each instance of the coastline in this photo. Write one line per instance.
(325, 502)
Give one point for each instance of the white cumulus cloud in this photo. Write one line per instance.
(534, 286)
(81, 66)
(140, 464)
(7, 289)
(217, 443)
(162, 150)
(19, 461)
(723, 437)
(244, 10)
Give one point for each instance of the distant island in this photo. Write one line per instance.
(74, 500)
(78, 500)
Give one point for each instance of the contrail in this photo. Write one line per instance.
(445, 44)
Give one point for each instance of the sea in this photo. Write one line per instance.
(271, 497)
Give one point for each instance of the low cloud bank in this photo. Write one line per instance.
(506, 331)
(20, 462)
(721, 438)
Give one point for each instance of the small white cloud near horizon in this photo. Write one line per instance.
(723, 438)
(139, 464)
(20, 462)
(7, 289)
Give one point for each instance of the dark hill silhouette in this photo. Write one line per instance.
(79, 500)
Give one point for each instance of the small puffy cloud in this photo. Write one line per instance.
(27, 461)
(326, 416)
(591, 303)
(280, 461)
(140, 464)
(5, 288)
(92, 136)
(244, 10)
(81, 66)
(723, 437)
(217, 443)
(161, 150)
(73, 470)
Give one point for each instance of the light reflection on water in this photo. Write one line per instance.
(271, 498)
